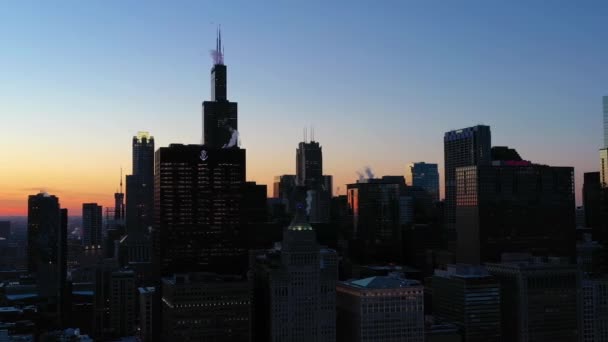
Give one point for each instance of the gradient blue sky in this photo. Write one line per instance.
(381, 81)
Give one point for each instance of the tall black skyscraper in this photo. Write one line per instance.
(91, 224)
(591, 201)
(140, 185)
(220, 118)
(464, 147)
(309, 164)
(200, 192)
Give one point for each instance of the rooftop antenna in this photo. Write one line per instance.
(312, 128)
(305, 134)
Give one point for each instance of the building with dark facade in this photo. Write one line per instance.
(294, 288)
(91, 224)
(206, 307)
(514, 207)
(464, 147)
(591, 202)
(468, 297)
(198, 210)
(5, 229)
(594, 327)
(309, 164)
(379, 209)
(284, 188)
(140, 185)
(540, 299)
(425, 176)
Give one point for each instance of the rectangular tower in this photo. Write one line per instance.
(91, 224)
(424, 176)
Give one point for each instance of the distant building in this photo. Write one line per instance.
(514, 207)
(382, 308)
(592, 202)
(440, 331)
(122, 302)
(469, 297)
(540, 299)
(147, 311)
(140, 185)
(595, 310)
(504, 153)
(206, 307)
(5, 229)
(309, 164)
(294, 288)
(92, 224)
(464, 147)
(379, 208)
(425, 176)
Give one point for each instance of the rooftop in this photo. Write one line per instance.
(382, 282)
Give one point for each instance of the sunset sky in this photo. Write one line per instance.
(381, 81)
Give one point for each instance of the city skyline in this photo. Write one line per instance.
(78, 117)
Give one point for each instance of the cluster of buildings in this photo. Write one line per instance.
(195, 252)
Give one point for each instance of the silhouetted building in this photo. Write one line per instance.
(5, 229)
(504, 153)
(382, 308)
(198, 210)
(140, 185)
(520, 208)
(294, 289)
(379, 209)
(206, 307)
(122, 302)
(91, 224)
(425, 176)
(43, 230)
(148, 326)
(464, 147)
(591, 202)
(595, 310)
(469, 297)
(540, 300)
(309, 164)
(119, 206)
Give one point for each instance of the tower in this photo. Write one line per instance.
(140, 185)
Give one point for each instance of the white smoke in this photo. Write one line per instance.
(365, 174)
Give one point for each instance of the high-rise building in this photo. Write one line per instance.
(284, 189)
(595, 310)
(5, 229)
(147, 311)
(294, 288)
(206, 307)
(140, 185)
(220, 116)
(469, 297)
(540, 299)
(504, 153)
(463, 147)
(604, 167)
(122, 302)
(383, 308)
(91, 224)
(379, 208)
(425, 176)
(591, 202)
(309, 164)
(520, 207)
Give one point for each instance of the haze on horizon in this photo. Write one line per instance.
(380, 84)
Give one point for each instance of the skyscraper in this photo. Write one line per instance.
(295, 288)
(91, 224)
(469, 297)
(5, 229)
(424, 176)
(140, 185)
(463, 147)
(591, 202)
(309, 164)
(220, 116)
(540, 298)
(514, 207)
(605, 100)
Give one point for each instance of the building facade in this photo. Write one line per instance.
(92, 224)
(294, 288)
(595, 309)
(424, 175)
(122, 302)
(508, 208)
(383, 308)
(540, 298)
(205, 307)
(140, 185)
(469, 297)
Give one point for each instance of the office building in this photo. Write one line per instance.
(294, 287)
(206, 307)
(520, 207)
(504, 153)
(424, 176)
(140, 185)
(382, 308)
(464, 147)
(5, 229)
(591, 202)
(284, 188)
(122, 302)
(595, 309)
(540, 298)
(469, 297)
(148, 328)
(379, 209)
(309, 164)
(91, 224)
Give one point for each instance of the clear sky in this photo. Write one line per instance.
(381, 81)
